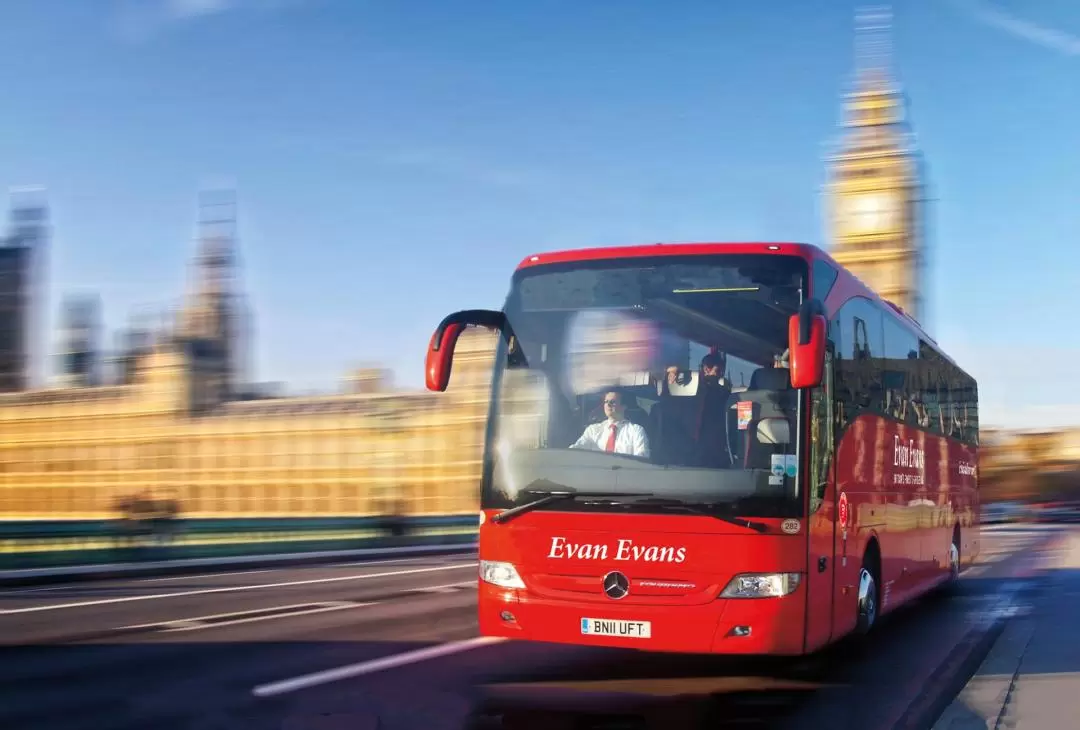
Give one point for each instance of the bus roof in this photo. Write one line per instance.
(669, 249)
(852, 285)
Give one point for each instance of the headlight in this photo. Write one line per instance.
(504, 575)
(761, 585)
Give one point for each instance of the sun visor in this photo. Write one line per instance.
(609, 348)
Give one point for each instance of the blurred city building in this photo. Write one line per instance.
(81, 327)
(174, 428)
(167, 432)
(22, 251)
(1030, 465)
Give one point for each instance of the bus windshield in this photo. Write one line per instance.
(683, 355)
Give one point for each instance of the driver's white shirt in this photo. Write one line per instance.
(630, 438)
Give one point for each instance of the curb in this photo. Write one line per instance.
(974, 699)
(32, 576)
(946, 682)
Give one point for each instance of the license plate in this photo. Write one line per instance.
(609, 627)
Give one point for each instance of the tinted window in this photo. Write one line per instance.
(935, 390)
(859, 348)
(901, 374)
(965, 419)
(824, 278)
(882, 367)
(951, 398)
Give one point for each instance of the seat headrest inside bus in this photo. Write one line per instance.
(771, 379)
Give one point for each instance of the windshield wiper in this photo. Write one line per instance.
(702, 508)
(549, 496)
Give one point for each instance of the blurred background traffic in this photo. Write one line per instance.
(1030, 475)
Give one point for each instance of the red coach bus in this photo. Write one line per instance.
(792, 455)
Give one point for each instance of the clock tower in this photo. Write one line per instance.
(875, 192)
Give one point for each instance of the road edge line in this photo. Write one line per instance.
(107, 571)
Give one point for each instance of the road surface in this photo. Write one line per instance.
(392, 643)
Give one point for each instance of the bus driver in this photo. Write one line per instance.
(614, 434)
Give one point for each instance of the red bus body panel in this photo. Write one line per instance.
(911, 522)
(909, 501)
(680, 599)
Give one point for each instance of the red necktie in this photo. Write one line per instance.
(611, 439)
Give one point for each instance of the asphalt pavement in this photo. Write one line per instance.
(392, 644)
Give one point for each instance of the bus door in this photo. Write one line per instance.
(822, 510)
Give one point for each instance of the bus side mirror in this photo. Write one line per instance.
(440, 352)
(806, 345)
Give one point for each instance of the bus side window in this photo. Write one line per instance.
(971, 409)
(900, 371)
(946, 400)
(933, 392)
(857, 361)
(943, 400)
(956, 403)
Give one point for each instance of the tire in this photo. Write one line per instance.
(869, 596)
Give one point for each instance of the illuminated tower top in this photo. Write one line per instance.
(875, 190)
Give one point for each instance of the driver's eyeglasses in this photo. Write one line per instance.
(611, 403)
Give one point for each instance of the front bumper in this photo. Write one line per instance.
(775, 625)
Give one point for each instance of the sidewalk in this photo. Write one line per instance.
(164, 567)
(1031, 678)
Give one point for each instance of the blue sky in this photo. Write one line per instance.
(395, 160)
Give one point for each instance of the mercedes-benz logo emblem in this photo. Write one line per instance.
(616, 585)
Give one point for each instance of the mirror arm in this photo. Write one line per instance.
(459, 320)
(807, 311)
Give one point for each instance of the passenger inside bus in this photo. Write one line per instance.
(711, 427)
(771, 411)
(694, 430)
(698, 419)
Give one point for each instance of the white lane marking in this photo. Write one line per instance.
(198, 577)
(23, 591)
(227, 589)
(199, 622)
(369, 667)
(362, 563)
(121, 582)
(188, 624)
(211, 616)
(323, 608)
